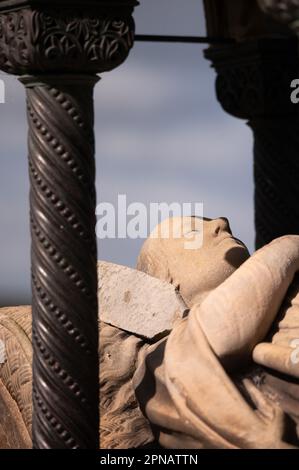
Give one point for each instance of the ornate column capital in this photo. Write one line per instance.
(43, 36)
(253, 78)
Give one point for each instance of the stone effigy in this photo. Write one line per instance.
(218, 371)
(200, 387)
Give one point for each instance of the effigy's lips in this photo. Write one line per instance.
(136, 302)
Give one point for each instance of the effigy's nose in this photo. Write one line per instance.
(221, 225)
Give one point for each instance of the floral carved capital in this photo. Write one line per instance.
(63, 41)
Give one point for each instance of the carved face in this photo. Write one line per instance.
(193, 253)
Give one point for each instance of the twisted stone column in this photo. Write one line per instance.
(276, 172)
(58, 51)
(253, 83)
(64, 256)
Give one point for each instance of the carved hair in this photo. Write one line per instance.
(122, 425)
(153, 261)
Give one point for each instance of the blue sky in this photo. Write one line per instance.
(161, 136)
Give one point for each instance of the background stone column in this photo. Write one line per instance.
(253, 83)
(58, 48)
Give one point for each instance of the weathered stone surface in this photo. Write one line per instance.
(136, 302)
(122, 423)
(16, 378)
(13, 432)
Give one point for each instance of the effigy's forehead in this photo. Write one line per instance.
(179, 227)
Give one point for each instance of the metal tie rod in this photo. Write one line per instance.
(183, 39)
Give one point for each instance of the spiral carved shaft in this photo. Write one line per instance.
(64, 276)
(276, 172)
